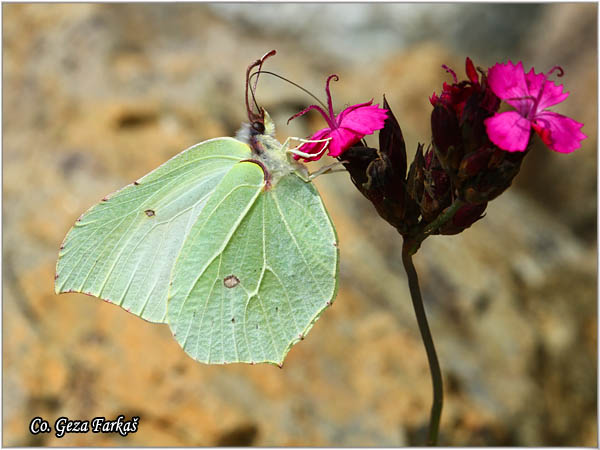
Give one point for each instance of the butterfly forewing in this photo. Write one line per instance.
(123, 249)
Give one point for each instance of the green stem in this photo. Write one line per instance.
(434, 366)
(434, 226)
(442, 218)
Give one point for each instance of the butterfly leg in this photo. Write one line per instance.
(326, 169)
(304, 141)
(295, 150)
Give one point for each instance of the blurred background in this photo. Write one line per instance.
(97, 95)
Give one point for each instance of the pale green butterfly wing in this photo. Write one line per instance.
(239, 263)
(123, 249)
(256, 271)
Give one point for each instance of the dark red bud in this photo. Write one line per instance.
(445, 129)
(441, 183)
(474, 196)
(474, 162)
(356, 160)
(391, 143)
(497, 158)
(416, 176)
(466, 216)
(430, 208)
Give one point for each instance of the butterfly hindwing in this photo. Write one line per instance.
(249, 294)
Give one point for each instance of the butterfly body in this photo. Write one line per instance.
(273, 156)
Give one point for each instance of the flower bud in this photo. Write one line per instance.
(445, 129)
(474, 162)
(380, 175)
(416, 176)
(466, 216)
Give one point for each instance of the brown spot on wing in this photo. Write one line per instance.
(231, 281)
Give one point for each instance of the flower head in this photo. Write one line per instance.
(344, 129)
(478, 171)
(530, 94)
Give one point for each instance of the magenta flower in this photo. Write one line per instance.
(345, 129)
(530, 94)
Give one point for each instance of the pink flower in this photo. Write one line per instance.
(530, 94)
(345, 129)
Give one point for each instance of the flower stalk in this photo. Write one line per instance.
(413, 244)
(434, 365)
(409, 248)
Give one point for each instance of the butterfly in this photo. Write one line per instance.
(228, 242)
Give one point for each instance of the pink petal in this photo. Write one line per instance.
(508, 82)
(349, 109)
(552, 93)
(534, 82)
(315, 147)
(560, 133)
(509, 131)
(363, 120)
(342, 140)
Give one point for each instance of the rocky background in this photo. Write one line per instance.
(94, 96)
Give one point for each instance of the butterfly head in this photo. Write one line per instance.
(256, 131)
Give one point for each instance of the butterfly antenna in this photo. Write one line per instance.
(252, 116)
(262, 60)
(289, 81)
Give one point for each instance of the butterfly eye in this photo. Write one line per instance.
(258, 127)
